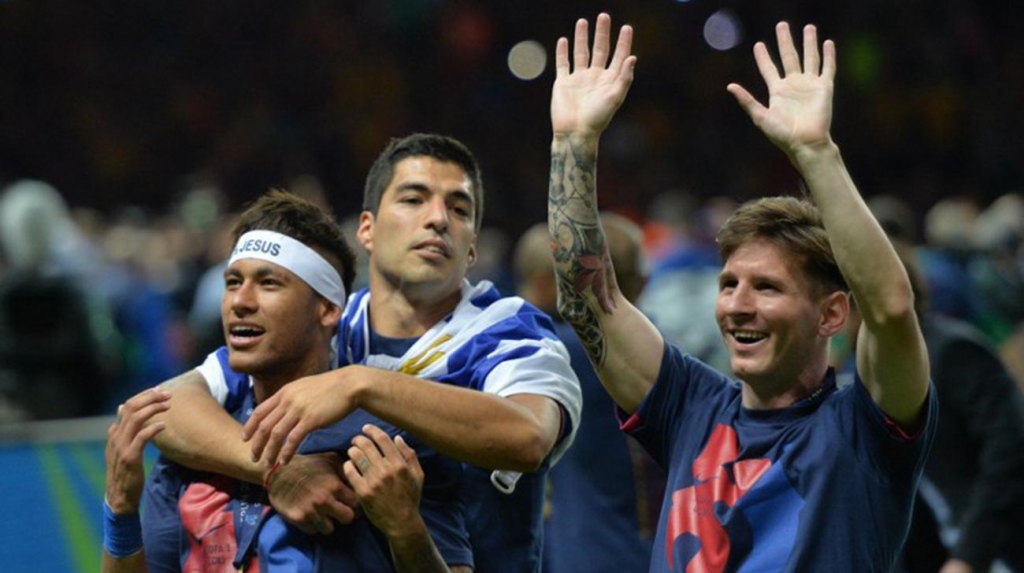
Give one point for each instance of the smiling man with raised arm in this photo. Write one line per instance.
(779, 470)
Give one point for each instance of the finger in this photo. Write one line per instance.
(765, 65)
(258, 415)
(338, 511)
(324, 525)
(140, 401)
(622, 48)
(383, 441)
(361, 466)
(562, 58)
(787, 51)
(143, 437)
(368, 449)
(580, 52)
(277, 435)
(602, 40)
(812, 60)
(828, 69)
(133, 420)
(409, 455)
(345, 494)
(293, 441)
(261, 433)
(750, 105)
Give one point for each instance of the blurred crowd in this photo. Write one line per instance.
(96, 306)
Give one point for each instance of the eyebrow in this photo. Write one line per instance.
(460, 194)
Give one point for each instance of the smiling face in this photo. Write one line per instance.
(422, 238)
(276, 327)
(774, 323)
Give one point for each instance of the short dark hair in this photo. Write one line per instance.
(792, 223)
(439, 147)
(283, 212)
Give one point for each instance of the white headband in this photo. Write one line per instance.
(285, 251)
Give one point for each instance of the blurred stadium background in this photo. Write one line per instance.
(151, 122)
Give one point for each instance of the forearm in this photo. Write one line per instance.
(415, 552)
(468, 425)
(626, 351)
(865, 256)
(134, 563)
(201, 435)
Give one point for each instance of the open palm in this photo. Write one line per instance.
(584, 99)
(799, 111)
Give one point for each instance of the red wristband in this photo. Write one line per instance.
(266, 479)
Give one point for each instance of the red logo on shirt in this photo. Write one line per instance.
(719, 479)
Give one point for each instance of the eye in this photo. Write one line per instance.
(232, 282)
(461, 211)
(411, 199)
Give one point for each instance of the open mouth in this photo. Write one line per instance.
(244, 336)
(748, 336)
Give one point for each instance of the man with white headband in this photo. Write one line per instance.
(283, 298)
(478, 377)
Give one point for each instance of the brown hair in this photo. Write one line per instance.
(793, 224)
(439, 147)
(283, 212)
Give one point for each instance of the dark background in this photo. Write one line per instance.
(130, 103)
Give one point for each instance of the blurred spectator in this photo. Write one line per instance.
(973, 484)
(605, 492)
(680, 294)
(52, 363)
(949, 245)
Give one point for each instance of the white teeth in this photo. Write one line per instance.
(748, 336)
(435, 249)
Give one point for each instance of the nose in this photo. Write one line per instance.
(437, 214)
(737, 301)
(242, 299)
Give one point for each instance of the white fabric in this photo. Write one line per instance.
(293, 255)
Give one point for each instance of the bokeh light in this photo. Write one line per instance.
(722, 30)
(527, 60)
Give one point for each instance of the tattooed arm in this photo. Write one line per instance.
(624, 346)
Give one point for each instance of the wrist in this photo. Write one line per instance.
(119, 505)
(122, 533)
(806, 156)
(575, 138)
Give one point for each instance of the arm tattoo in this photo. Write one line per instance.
(586, 279)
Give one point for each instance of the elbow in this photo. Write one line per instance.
(531, 451)
(897, 307)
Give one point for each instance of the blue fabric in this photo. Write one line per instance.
(283, 547)
(824, 485)
(604, 492)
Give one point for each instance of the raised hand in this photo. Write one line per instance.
(280, 423)
(126, 439)
(799, 111)
(585, 98)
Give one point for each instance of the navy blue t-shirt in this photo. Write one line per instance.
(826, 484)
(182, 507)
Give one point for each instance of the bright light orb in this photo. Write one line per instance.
(527, 60)
(722, 30)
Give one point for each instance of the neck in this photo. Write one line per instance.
(775, 394)
(268, 382)
(397, 313)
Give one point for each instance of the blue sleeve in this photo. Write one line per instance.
(686, 391)
(161, 522)
(237, 383)
(882, 444)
